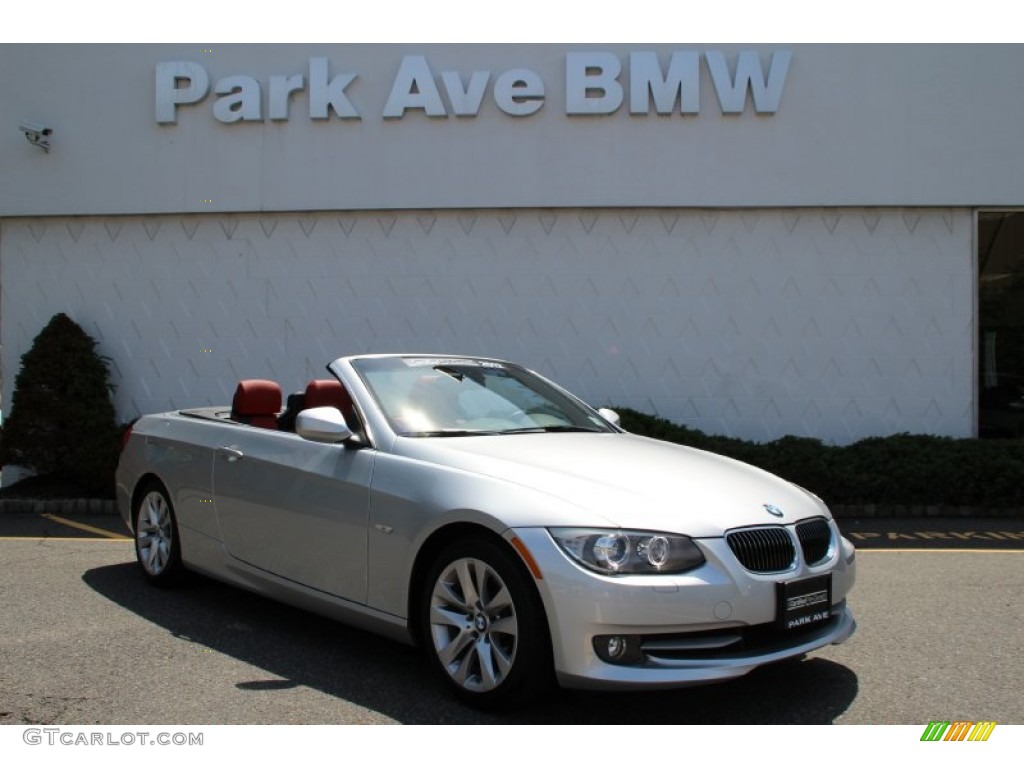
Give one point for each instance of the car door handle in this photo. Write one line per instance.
(232, 454)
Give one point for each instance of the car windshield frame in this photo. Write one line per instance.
(431, 396)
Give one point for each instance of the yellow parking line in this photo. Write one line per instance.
(861, 551)
(119, 539)
(84, 527)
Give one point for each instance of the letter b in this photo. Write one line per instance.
(591, 84)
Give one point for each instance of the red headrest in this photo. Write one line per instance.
(321, 392)
(256, 397)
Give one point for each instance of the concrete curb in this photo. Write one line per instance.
(59, 506)
(921, 511)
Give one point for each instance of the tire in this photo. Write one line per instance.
(157, 545)
(484, 626)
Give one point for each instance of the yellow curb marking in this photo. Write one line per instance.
(939, 535)
(63, 538)
(927, 550)
(84, 527)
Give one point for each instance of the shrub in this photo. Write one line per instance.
(899, 470)
(62, 422)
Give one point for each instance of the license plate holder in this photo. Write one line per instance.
(803, 603)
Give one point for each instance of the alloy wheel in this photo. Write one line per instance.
(154, 533)
(474, 625)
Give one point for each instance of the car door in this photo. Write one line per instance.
(295, 508)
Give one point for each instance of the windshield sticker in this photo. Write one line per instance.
(441, 362)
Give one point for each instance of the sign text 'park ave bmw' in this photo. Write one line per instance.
(595, 83)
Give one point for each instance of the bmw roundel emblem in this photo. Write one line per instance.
(771, 509)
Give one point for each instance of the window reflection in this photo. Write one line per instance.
(1001, 324)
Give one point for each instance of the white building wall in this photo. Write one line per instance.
(855, 125)
(834, 323)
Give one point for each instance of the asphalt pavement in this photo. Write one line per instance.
(84, 639)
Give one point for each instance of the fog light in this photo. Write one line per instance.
(617, 647)
(625, 650)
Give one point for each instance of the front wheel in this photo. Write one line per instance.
(157, 547)
(485, 626)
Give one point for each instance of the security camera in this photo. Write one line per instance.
(37, 134)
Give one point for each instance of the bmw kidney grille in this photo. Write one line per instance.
(815, 540)
(762, 550)
(770, 549)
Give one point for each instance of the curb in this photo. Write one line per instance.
(59, 506)
(921, 511)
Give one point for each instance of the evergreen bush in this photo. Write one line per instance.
(62, 422)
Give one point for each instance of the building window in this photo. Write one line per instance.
(1001, 324)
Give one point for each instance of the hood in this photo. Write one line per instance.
(632, 481)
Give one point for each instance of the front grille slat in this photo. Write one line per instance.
(762, 550)
(761, 554)
(768, 550)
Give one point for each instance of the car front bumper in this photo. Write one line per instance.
(713, 623)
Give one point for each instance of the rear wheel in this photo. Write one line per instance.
(157, 546)
(485, 626)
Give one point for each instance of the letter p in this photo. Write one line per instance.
(178, 82)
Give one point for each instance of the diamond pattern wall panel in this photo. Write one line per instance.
(837, 324)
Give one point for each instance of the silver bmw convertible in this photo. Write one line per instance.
(475, 508)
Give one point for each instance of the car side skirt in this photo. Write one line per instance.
(205, 555)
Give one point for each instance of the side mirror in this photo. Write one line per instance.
(322, 425)
(609, 415)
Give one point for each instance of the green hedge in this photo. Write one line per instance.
(901, 470)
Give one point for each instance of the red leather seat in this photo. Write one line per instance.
(257, 402)
(320, 392)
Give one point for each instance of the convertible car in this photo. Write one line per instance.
(475, 508)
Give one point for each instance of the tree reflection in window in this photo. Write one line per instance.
(1001, 324)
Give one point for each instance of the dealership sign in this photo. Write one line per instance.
(595, 84)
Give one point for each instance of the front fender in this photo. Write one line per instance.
(411, 500)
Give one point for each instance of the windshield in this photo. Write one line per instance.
(452, 397)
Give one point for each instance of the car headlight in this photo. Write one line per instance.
(615, 551)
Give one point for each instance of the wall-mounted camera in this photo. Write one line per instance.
(37, 134)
